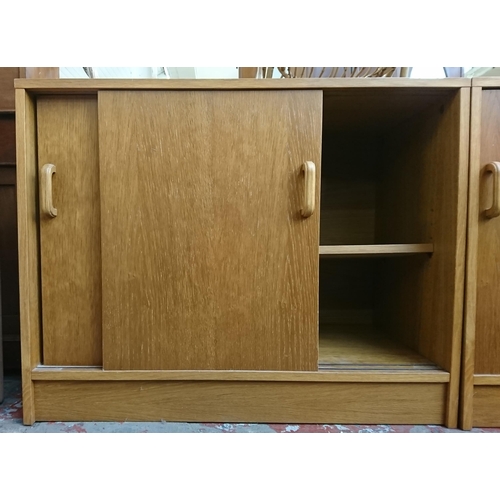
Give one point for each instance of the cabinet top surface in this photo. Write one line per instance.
(93, 85)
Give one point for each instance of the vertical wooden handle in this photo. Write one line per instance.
(309, 169)
(46, 190)
(494, 210)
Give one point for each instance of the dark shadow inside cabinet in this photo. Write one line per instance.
(388, 238)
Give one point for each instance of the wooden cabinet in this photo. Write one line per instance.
(257, 251)
(8, 218)
(481, 372)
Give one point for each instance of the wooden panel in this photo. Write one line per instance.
(346, 291)
(363, 346)
(486, 81)
(348, 188)
(340, 375)
(9, 262)
(417, 86)
(7, 138)
(29, 273)
(7, 98)
(241, 402)
(487, 345)
(247, 72)
(375, 250)
(468, 350)
(207, 262)
(8, 239)
(486, 379)
(424, 199)
(486, 409)
(462, 104)
(70, 242)
(362, 110)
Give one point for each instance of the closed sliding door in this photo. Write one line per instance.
(209, 238)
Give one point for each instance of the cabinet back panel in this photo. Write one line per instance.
(207, 262)
(346, 289)
(348, 188)
(487, 344)
(70, 243)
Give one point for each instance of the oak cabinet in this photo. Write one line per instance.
(481, 365)
(281, 251)
(180, 247)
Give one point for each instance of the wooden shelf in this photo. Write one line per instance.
(363, 347)
(375, 250)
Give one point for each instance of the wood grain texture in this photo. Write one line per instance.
(7, 138)
(207, 262)
(487, 321)
(487, 82)
(348, 187)
(46, 173)
(364, 111)
(494, 210)
(338, 375)
(70, 243)
(299, 402)
(376, 250)
(468, 343)
(486, 407)
(486, 379)
(424, 198)
(29, 273)
(462, 187)
(247, 72)
(79, 85)
(7, 96)
(309, 171)
(363, 346)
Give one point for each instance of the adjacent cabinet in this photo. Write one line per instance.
(259, 250)
(481, 367)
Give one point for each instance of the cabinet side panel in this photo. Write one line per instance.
(29, 270)
(424, 199)
(487, 345)
(207, 261)
(70, 242)
(468, 345)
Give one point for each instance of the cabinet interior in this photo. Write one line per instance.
(387, 227)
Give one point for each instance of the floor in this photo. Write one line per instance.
(11, 422)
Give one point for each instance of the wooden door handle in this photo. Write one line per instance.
(494, 210)
(309, 169)
(46, 190)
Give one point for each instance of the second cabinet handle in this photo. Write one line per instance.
(494, 210)
(309, 169)
(46, 190)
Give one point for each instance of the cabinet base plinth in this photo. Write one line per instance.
(486, 406)
(241, 401)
